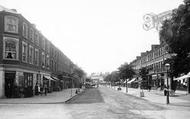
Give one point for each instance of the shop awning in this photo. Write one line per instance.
(132, 80)
(49, 78)
(182, 77)
(126, 80)
(55, 78)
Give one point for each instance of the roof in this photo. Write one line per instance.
(8, 10)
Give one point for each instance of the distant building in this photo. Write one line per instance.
(97, 77)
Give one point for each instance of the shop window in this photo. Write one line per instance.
(11, 24)
(25, 30)
(28, 79)
(31, 53)
(24, 51)
(11, 48)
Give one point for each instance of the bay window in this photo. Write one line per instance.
(10, 46)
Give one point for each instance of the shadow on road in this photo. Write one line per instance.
(91, 95)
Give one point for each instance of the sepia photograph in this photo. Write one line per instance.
(94, 59)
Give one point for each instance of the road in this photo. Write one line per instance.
(96, 103)
(106, 103)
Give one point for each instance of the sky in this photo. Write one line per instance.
(97, 35)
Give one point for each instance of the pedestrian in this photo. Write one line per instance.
(41, 89)
(45, 89)
(36, 89)
(149, 88)
(165, 90)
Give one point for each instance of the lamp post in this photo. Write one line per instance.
(71, 86)
(167, 65)
(126, 85)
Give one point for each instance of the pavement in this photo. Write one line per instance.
(54, 97)
(180, 98)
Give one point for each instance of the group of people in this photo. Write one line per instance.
(41, 89)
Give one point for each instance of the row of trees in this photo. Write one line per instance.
(126, 71)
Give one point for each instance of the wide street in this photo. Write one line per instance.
(95, 103)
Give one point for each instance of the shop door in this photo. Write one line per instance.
(9, 84)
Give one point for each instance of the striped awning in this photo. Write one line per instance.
(49, 78)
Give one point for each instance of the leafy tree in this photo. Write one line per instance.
(143, 73)
(126, 71)
(108, 78)
(113, 77)
(176, 34)
(88, 80)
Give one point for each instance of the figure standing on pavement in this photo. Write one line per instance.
(41, 89)
(36, 89)
(149, 88)
(45, 88)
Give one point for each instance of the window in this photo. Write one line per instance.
(11, 48)
(36, 57)
(48, 47)
(31, 53)
(47, 61)
(11, 24)
(36, 38)
(25, 30)
(43, 60)
(24, 52)
(43, 43)
(31, 34)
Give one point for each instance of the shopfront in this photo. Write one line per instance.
(28, 84)
(10, 86)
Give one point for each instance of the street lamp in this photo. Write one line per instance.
(167, 65)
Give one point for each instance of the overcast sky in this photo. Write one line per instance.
(97, 35)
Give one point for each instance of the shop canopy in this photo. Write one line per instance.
(183, 77)
(132, 80)
(49, 78)
(126, 80)
(55, 78)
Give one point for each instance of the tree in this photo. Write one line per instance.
(126, 72)
(107, 78)
(113, 77)
(143, 72)
(79, 75)
(176, 34)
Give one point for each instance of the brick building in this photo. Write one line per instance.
(153, 60)
(27, 57)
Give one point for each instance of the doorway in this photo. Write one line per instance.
(9, 84)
